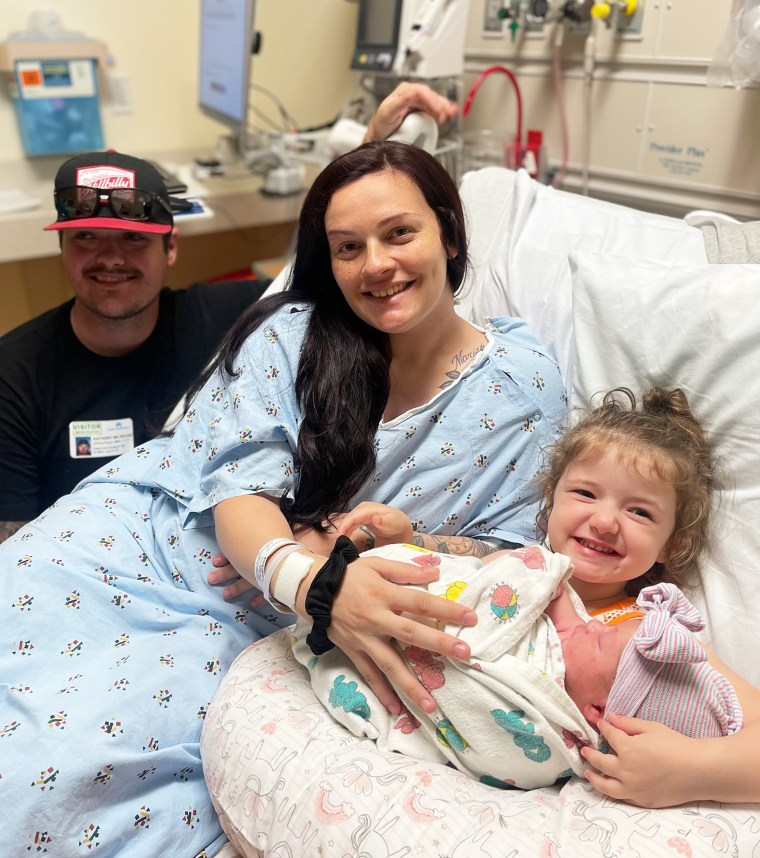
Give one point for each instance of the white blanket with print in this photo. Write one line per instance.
(503, 716)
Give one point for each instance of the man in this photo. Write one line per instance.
(89, 380)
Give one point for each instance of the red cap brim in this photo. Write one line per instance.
(112, 223)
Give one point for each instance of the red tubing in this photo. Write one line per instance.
(476, 86)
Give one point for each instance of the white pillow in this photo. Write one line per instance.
(639, 324)
(521, 233)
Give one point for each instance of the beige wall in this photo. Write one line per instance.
(648, 99)
(154, 46)
(661, 138)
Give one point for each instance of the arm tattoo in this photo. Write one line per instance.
(463, 546)
(370, 543)
(8, 528)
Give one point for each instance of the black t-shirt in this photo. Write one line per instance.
(49, 380)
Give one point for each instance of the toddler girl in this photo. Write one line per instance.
(626, 504)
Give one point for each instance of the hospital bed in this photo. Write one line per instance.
(626, 298)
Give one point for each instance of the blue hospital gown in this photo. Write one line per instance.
(113, 643)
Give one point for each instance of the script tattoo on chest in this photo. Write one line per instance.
(460, 361)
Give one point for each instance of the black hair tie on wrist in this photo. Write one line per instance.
(319, 599)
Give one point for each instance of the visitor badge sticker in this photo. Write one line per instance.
(99, 439)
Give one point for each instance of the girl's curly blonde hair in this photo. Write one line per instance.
(661, 437)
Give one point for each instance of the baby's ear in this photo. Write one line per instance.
(593, 714)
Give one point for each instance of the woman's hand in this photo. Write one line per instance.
(371, 608)
(649, 766)
(373, 524)
(405, 99)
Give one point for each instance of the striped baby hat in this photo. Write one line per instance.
(664, 675)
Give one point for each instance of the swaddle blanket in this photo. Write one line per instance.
(503, 716)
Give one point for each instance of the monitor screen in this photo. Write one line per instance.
(378, 23)
(376, 35)
(226, 44)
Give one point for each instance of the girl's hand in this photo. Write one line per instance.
(376, 523)
(649, 766)
(371, 608)
(320, 542)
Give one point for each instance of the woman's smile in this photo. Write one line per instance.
(385, 239)
(390, 291)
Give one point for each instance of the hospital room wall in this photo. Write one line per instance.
(661, 139)
(153, 46)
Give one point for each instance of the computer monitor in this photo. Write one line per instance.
(227, 40)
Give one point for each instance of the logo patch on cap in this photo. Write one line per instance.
(105, 176)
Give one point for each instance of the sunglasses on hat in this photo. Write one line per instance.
(125, 203)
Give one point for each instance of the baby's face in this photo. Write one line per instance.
(592, 654)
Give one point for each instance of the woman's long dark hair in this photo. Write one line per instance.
(342, 383)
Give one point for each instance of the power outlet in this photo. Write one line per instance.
(117, 94)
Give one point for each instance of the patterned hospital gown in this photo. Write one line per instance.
(113, 643)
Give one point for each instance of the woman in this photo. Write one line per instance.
(362, 384)
(384, 392)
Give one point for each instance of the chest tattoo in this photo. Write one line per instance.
(460, 361)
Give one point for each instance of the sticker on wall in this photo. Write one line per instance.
(679, 160)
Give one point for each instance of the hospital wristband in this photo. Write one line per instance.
(265, 552)
(273, 561)
(293, 569)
